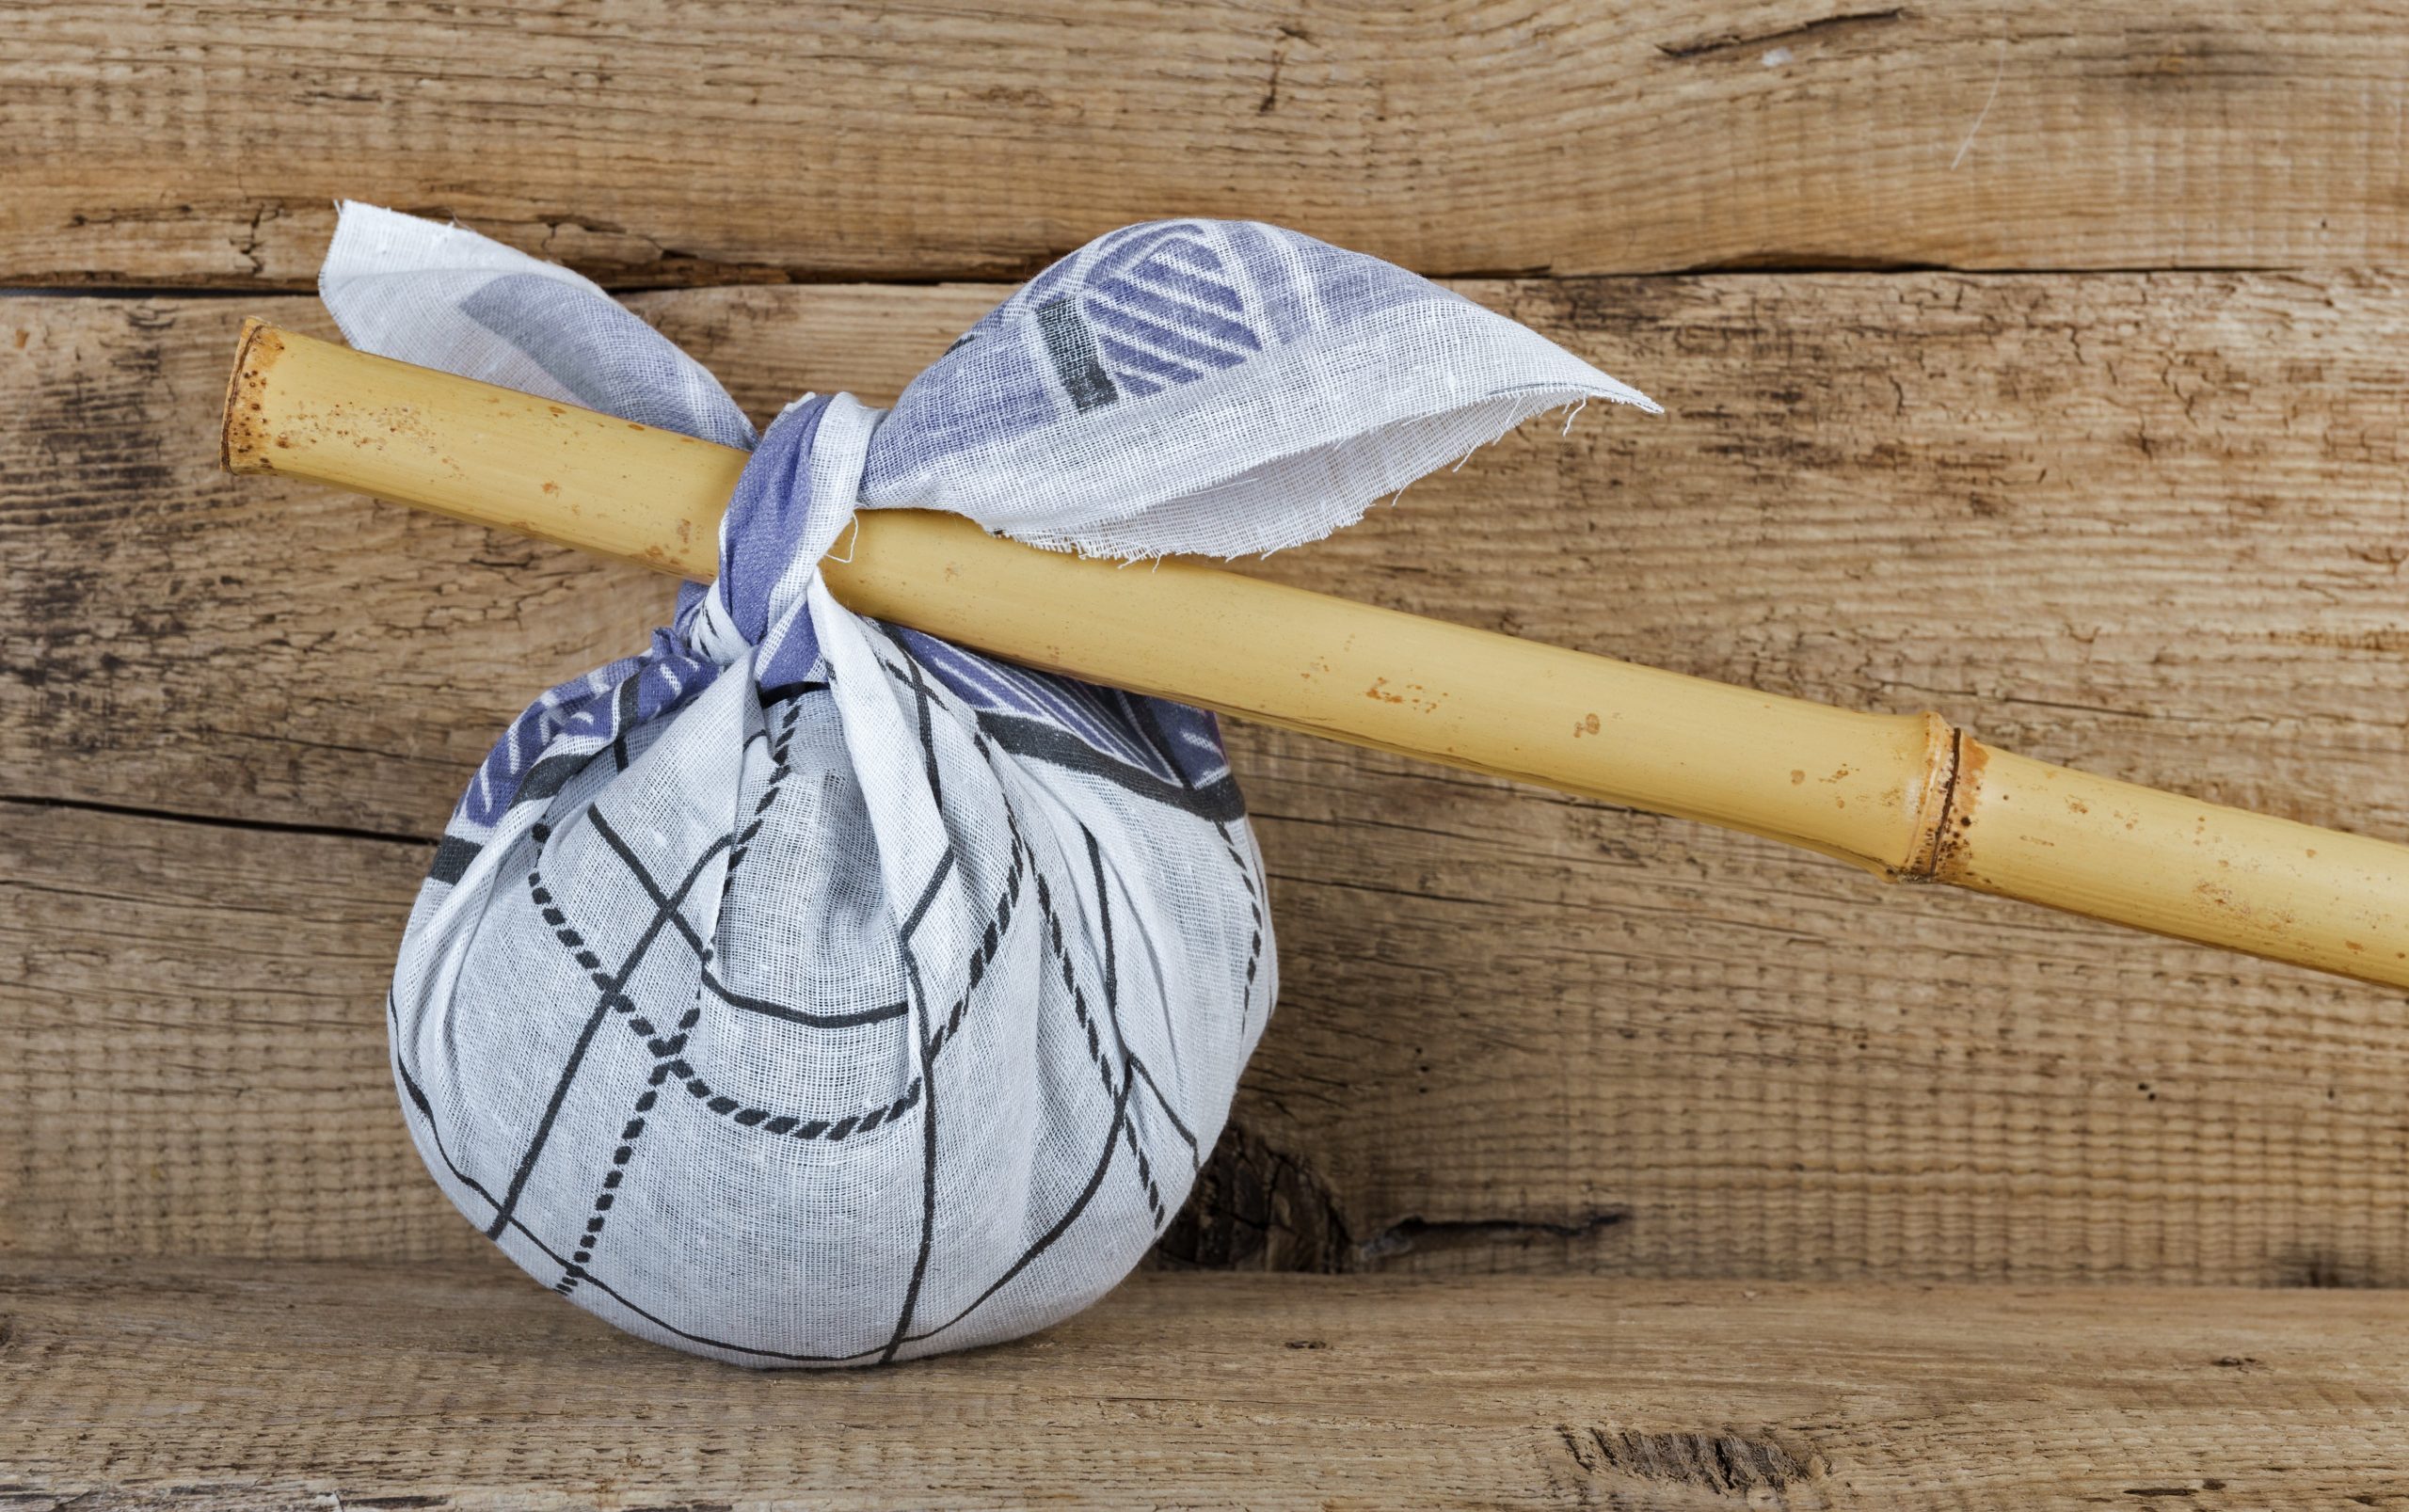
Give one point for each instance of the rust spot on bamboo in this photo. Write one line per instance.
(551, 488)
(1413, 693)
(2269, 922)
(1797, 777)
(1587, 726)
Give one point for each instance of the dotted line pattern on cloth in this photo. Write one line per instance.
(1113, 1087)
(1254, 944)
(668, 1050)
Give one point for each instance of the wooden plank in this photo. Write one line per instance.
(670, 145)
(200, 1058)
(450, 1386)
(2147, 525)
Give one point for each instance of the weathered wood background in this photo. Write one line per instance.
(2039, 363)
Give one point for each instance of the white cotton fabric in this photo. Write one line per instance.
(804, 990)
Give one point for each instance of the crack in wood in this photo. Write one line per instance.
(1725, 1462)
(220, 822)
(1256, 1207)
(1411, 1233)
(1828, 27)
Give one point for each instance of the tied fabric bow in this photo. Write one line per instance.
(806, 990)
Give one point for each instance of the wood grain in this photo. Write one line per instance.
(199, 1065)
(652, 145)
(455, 1386)
(2147, 525)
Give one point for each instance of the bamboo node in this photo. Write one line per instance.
(1934, 850)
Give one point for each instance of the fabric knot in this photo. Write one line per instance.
(794, 499)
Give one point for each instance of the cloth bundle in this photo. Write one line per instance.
(806, 990)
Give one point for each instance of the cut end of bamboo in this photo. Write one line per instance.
(243, 442)
(300, 407)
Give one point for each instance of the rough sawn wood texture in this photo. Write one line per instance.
(205, 1389)
(651, 144)
(2148, 525)
(2037, 362)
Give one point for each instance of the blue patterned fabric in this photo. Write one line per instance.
(806, 990)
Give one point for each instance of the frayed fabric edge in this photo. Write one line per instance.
(1346, 517)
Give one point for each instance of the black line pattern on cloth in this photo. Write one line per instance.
(1116, 1131)
(1179, 1125)
(1061, 1225)
(929, 1043)
(1023, 855)
(1117, 1088)
(614, 998)
(928, 1142)
(418, 1099)
(922, 696)
(809, 1018)
(571, 755)
(1000, 917)
(1217, 801)
(999, 923)
(1066, 751)
(668, 1047)
(1245, 874)
(600, 1216)
(920, 905)
(779, 770)
(1254, 942)
(781, 692)
(770, 1121)
(667, 1065)
(1020, 852)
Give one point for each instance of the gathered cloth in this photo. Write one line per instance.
(808, 991)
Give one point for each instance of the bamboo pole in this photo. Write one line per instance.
(1906, 796)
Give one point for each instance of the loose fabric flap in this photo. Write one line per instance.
(1215, 388)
